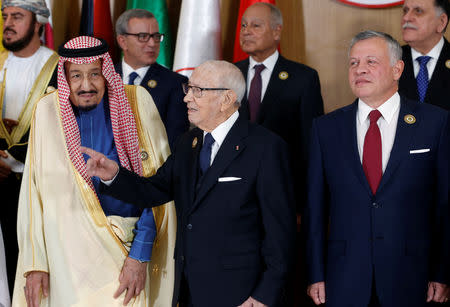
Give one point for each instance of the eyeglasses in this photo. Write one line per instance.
(197, 91)
(144, 37)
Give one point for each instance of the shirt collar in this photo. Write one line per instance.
(221, 131)
(269, 63)
(127, 70)
(434, 53)
(387, 109)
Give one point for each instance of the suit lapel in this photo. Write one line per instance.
(273, 87)
(232, 146)
(350, 142)
(243, 110)
(192, 164)
(403, 137)
(437, 80)
(150, 74)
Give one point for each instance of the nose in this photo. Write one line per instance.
(188, 97)
(86, 83)
(7, 21)
(151, 42)
(360, 69)
(406, 16)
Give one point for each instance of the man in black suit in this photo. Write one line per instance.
(289, 96)
(426, 77)
(139, 38)
(233, 196)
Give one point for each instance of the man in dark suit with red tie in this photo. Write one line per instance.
(377, 217)
(233, 195)
(426, 77)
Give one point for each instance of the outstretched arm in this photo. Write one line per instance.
(99, 165)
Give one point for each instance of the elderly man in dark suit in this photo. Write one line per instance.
(377, 216)
(281, 95)
(426, 77)
(139, 38)
(233, 196)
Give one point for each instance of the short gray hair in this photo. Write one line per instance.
(226, 75)
(124, 18)
(395, 50)
(276, 18)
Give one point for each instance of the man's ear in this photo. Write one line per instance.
(443, 20)
(228, 101)
(398, 69)
(122, 42)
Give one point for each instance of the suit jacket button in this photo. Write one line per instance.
(182, 258)
(375, 205)
(189, 226)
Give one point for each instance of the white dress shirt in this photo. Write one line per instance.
(220, 133)
(265, 74)
(21, 73)
(431, 65)
(387, 124)
(127, 70)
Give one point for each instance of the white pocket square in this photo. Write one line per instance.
(227, 179)
(417, 151)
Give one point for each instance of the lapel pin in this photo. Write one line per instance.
(152, 83)
(144, 155)
(409, 119)
(237, 147)
(283, 75)
(194, 142)
(447, 63)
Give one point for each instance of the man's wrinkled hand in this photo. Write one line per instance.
(132, 279)
(251, 302)
(99, 165)
(438, 292)
(5, 169)
(317, 292)
(37, 283)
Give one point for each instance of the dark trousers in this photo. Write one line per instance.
(9, 191)
(185, 295)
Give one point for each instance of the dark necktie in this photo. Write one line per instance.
(422, 77)
(372, 152)
(132, 77)
(205, 153)
(254, 95)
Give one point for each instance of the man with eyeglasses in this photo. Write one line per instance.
(233, 196)
(138, 36)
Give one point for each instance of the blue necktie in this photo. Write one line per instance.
(422, 77)
(132, 77)
(205, 153)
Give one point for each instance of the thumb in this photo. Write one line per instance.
(45, 286)
(430, 292)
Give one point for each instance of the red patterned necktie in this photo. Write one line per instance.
(372, 152)
(254, 95)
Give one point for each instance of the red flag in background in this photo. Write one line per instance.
(96, 21)
(47, 35)
(238, 54)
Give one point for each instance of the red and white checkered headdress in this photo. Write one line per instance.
(85, 50)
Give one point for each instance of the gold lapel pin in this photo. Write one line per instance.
(152, 83)
(283, 75)
(144, 155)
(409, 119)
(194, 142)
(447, 63)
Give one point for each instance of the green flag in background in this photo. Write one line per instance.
(159, 9)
